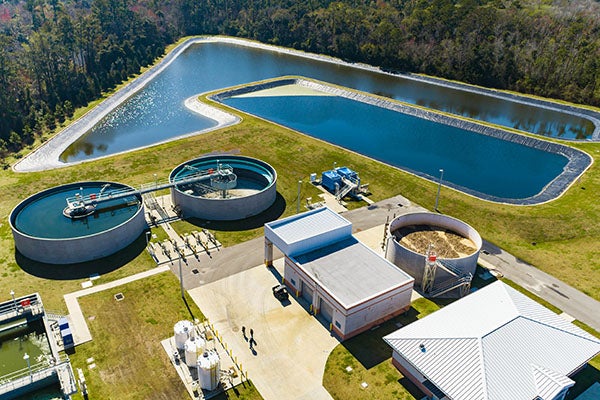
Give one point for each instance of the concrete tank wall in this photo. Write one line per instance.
(229, 209)
(77, 249)
(413, 263)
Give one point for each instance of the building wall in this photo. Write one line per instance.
(409, 372)
(378, 309)
(349, 322)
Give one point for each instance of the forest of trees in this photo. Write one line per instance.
(57, 55)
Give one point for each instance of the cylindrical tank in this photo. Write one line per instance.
(250, 189)
(183, 331)
(193, 347)
(43, 232)
(413, 262)
(209, 372)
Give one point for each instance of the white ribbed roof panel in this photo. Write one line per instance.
(549, 383)
(307, 231)
(483, 319)
(524, 342)
(513, 333)
(452, 365)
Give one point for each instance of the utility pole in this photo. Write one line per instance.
(437, 197)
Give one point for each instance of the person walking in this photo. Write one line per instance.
(251, 333)
(244, 331)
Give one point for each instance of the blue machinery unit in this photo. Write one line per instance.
(341, 181)
(65, 333)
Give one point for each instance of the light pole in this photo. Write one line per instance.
(437, 197)
(298, 201)
(12, 294)
(181, 277)
(26, 358)
(148, 233)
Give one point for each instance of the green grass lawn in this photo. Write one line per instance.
(559, 237)
(370, 359)
(130, 361)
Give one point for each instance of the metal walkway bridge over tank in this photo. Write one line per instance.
(82, 201)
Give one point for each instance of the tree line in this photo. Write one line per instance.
(57, 55)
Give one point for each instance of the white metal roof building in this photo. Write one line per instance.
(494, 344)
(342, 280)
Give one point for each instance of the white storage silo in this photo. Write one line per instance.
(193, 347)
(209, 372)
(183, 331)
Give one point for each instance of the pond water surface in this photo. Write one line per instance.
(472, 161)
(157, 113)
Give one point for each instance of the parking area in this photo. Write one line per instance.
(291, 346)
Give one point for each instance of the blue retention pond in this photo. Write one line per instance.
(484, 165)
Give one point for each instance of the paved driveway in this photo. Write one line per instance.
(292, 346)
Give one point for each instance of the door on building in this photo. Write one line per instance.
(307, 293)
(326, 310)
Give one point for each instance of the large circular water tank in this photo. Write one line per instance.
(44, 232)
(209, 370)
(183, 330)
(456, 244)
(223, 188)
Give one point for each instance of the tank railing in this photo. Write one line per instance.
(26, 376)
(54, 315)
(95, 198)
(450, 267)
(451, 284)
(205, 189)
(30, 304)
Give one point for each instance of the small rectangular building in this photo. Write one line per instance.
(343, 281)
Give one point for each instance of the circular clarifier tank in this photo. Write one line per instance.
(223, 188)
(77, 222)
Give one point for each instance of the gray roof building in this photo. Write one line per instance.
(494, 344)
(342, 280)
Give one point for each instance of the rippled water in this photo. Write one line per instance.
(157, 112)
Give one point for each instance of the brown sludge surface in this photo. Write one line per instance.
(447, 243)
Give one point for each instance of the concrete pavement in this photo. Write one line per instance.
(249, 254)
(292, 346)
(570, 300)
